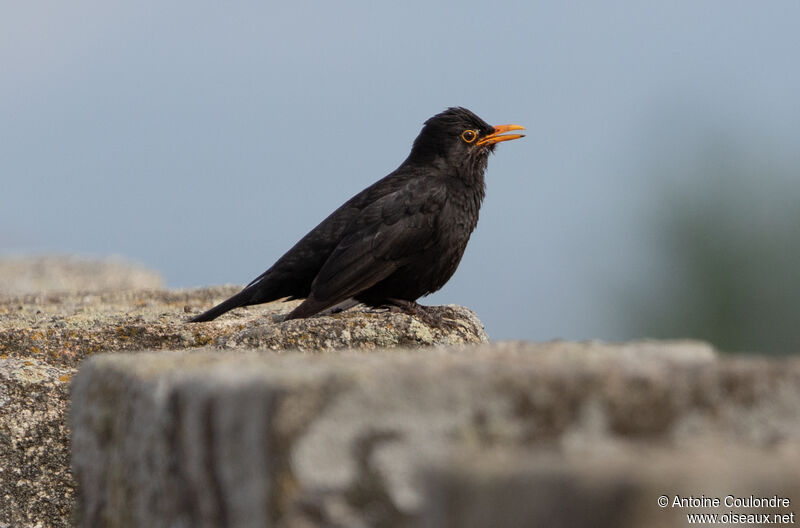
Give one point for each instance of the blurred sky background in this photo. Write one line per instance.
(655, 194)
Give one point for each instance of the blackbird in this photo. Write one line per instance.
(397, 240)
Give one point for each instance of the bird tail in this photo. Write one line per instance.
(243, 298)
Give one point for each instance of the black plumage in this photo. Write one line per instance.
(397, 240)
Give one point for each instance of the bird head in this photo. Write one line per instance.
(457, 137)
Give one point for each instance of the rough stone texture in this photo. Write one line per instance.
(505, 489)
(354, 439)
(63, 328)
(35, 482)
(45, 335)
(59, 273)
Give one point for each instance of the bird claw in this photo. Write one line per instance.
(439, 321)
(429, 315)
(432, 317)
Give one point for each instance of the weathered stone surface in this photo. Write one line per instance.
(62, 273)
(51, 333)
(594, 489)
(35, 483)
(254, 439)
(64, 328)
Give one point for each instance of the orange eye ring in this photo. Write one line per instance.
(469, 136)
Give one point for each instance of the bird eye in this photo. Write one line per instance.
(469, 136)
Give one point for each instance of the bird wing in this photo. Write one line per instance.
(390, 231)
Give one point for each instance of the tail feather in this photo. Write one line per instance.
(240, 299)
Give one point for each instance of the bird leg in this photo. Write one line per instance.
(427, 314)
(341, 307)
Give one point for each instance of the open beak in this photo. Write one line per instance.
(495, 136)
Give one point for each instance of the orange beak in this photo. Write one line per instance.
(495, 137)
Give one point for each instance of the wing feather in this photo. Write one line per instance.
(390, 231)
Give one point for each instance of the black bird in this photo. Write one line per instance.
(397, 240)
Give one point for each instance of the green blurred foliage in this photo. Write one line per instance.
(729, 230)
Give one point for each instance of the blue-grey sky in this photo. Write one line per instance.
(203, 139)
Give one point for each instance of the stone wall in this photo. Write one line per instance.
(79, 308)
(514, 434)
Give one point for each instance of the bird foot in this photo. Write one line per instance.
(430, 315)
